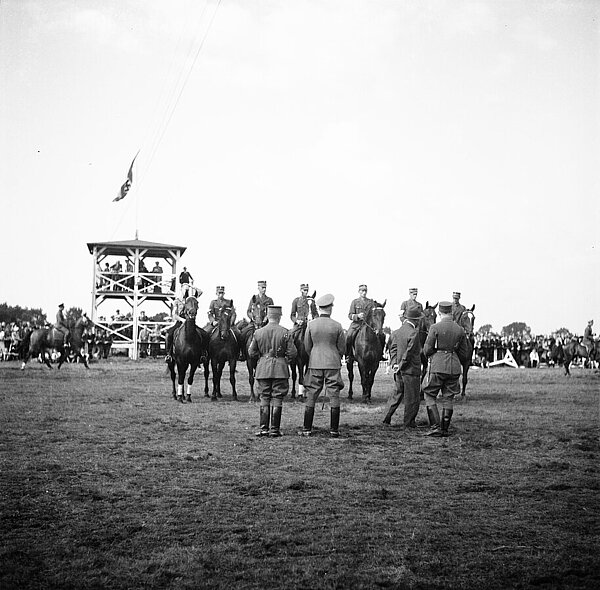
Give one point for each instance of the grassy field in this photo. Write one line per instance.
(109, 483)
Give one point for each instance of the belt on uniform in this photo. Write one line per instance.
(446, 351)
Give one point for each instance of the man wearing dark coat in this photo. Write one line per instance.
(274, 348)
(405, 360)
(446, 349)
(325, 345)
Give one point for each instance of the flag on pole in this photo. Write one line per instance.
(127, 184)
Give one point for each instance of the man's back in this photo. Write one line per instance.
(325, 343)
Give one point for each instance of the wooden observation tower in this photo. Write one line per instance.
(123, 273)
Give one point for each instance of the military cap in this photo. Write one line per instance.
(220, 289)
(456, 294)
(262, 283)
(304, 286)
(325, 300)
(445, 307)
(61, 305)
(413, 314)
(362, 286)
(274, 311)
(413, 290)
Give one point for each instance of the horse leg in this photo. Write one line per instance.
(250, 367)
(171, 367)
(232, 364)
(62, 358)
(188, 396)
(206, 371)
(350, 369)
(217, 369)
(293, 366)
(181, 369)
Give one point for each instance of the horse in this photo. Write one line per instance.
(430, 317)
(190, 345)
(368, 348)
(575, 349)
(467, 322)
(247, 330)
(44, 339)
(223, 347)
(299, 365)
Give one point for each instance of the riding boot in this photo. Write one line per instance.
(265, 412)
(309, 414)
(446, 418)
(275, 422)
(434, 421)
(334, 425)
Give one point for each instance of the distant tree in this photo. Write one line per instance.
(73, 314)
(563, 333)
(485, 330)
(159, 317)
(517, 330)
(14, 313)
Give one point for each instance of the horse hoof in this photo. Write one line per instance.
(213, 398)
(189, 399)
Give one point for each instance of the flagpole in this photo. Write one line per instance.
(136, 196)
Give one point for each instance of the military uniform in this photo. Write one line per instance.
(588, 337)
(325, 346)
(457, 307)
(405, 352)
(274, 349)
(359, 305)
(216, 307)
(410, 304)
(446, 349)
(61, 322)
(257, 308)
(302, 307)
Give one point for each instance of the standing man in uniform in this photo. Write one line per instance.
(302, 307)
(274, 349)
(446, 349)
(257, 308)
(457, 307)
(61, 322)
(325, 346)
(405, 360)
(185, 280)
(410, 303)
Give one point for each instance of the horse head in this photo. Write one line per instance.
(190, 308)
(467, 321)
(430, 315)
(224, 325)
(376, 316)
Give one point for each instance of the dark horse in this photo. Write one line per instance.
(575, 349)
(368, 348)
(223, 347)
(190, 345)
(246, 330)
(44, 339)
(467, 322)
(299, 365)
(424, 324)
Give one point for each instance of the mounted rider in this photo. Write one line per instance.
(302, 307)
(410, 303)
(257, 308)
(457, 307)
(588, 337)
(215, 310)
(61, 323)
(178, 317)
(359, 310)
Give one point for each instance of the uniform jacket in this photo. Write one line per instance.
(457, 310)
(301, 308)
(325, 343)
(359, 305)
(405, 349)
(216, 307)
(60, 319)
(274, 348)
(588, 334)
(410, 304)
(446, 346)
(260, 304)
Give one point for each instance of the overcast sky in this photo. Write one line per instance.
(440, 145)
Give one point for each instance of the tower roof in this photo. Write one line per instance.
(121, 248)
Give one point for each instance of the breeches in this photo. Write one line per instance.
(317, 380)
(448, 385)
(272, 391)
